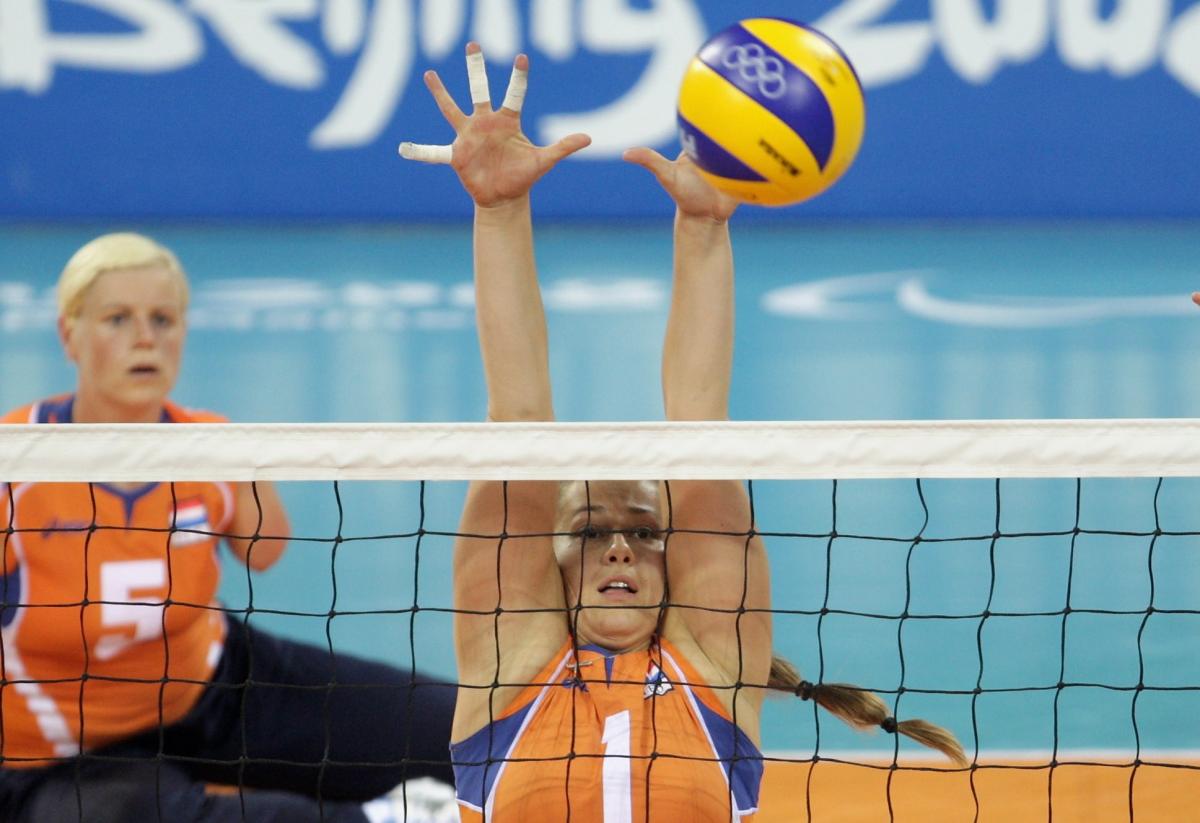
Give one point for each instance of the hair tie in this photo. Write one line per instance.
(804, 690)
(888, 725)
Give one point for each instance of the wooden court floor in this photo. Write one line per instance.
(993, 793)
(1010, 792)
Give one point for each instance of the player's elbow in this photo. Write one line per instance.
(260, 553)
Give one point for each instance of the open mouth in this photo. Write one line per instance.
(618, 586)
(144, 370)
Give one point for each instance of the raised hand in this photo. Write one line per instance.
(493, 158)
(692, 194)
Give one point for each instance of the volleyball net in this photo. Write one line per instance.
(1033, 586)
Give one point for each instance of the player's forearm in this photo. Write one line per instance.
(261, 525)
(509, 314)
(698, 350)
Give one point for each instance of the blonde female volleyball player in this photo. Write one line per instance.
(613, 646)
(128, 688)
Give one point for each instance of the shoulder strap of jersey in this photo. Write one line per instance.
(175, 413)
(55, 409)
(678, 666)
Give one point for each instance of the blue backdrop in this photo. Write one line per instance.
(240, 108)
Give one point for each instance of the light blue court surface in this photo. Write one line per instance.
(834, 322)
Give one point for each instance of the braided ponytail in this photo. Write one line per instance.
(862, 709)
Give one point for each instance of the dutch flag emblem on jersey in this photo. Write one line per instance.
(191, 518)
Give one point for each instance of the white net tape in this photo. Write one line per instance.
(599, 451)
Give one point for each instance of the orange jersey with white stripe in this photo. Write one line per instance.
(650, 742)
(106, 597)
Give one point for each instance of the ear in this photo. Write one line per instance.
(65, 329)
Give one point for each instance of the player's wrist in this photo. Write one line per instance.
(498, 211)
(704, 221)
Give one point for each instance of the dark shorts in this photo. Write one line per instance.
(311, 734)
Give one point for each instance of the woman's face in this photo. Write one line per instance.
(612, 560)
(127, 343)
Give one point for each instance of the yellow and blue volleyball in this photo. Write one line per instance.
(771, 111)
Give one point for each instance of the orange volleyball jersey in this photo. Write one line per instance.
(602, 738)
(107, 596)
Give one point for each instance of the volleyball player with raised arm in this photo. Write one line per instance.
(615, 671)
(127, 685)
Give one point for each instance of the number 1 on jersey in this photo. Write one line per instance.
(618, 786)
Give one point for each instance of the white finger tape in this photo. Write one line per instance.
(514, 98)
(477, 77)
(426, 154)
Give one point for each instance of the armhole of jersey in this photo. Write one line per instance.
(476, 775)
(741, 760)
(12, 496)
(10, 544)
(13, 552)
(683, 669)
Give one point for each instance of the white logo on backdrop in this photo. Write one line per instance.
(283, 304)
(389, 38)
(1132, 37)
(867, 296)
(278, 304)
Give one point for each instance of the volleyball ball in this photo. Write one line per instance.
(771, 111)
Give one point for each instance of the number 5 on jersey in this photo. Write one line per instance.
(121, 610)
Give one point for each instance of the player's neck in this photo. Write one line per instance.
(89, 408)
(611, 647)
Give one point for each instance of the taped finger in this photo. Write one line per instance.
(426, 154)
(514, 98)
(477, 77)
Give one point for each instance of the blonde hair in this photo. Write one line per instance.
(862, 709)
(123, 250)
